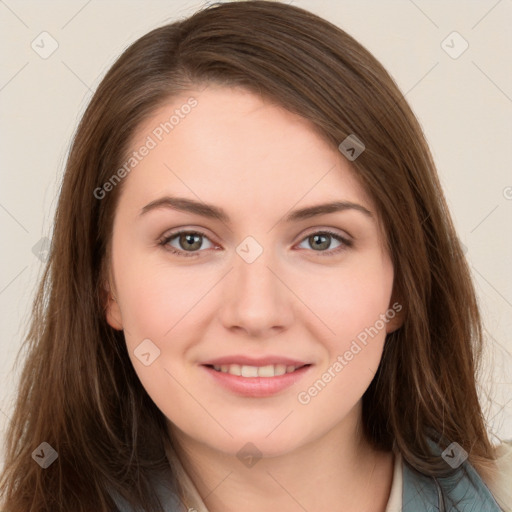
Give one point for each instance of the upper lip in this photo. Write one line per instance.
(254, 361)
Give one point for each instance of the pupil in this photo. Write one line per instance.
(317, 237)
(189, 238)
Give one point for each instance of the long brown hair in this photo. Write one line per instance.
(78, 390)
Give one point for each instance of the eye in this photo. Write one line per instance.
(190, 241)
(321, 240)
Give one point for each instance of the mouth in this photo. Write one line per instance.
(267, 371)
(256, 381)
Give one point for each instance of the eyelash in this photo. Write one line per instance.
(164, 241)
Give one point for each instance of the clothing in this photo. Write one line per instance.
(500, 487)
(410, 491)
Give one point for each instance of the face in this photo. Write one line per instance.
(245, 319)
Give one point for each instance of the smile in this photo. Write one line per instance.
(271, 370)
(256, 381)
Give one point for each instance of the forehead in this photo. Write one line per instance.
(237, 149)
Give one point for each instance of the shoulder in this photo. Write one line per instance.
(500, 483)
(464, 486)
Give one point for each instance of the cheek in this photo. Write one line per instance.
(350, 299)
(353, 304)
(158, 305)
(166, 306)
(158, 299)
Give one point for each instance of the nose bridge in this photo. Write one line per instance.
(252, 273)
(255, 298)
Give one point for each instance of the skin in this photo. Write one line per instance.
(258, 162)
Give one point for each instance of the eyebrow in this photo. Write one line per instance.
(214, 212)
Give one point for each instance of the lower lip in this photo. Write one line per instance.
(257, 386)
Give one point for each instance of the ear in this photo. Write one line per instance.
(112, 309)
(396, 314)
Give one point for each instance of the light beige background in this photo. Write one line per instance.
(464, 105)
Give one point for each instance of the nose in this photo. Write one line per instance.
(256, 299)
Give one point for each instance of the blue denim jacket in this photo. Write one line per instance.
(463, 491)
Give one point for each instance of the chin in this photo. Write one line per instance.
(271, 442)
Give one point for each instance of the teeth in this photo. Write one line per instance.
(280, 369)
(271, 370)
(234, 369)
(249, 371)
(266, 371)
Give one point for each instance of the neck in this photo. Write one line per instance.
(340, 468)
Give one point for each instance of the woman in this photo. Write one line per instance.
(255, 296)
